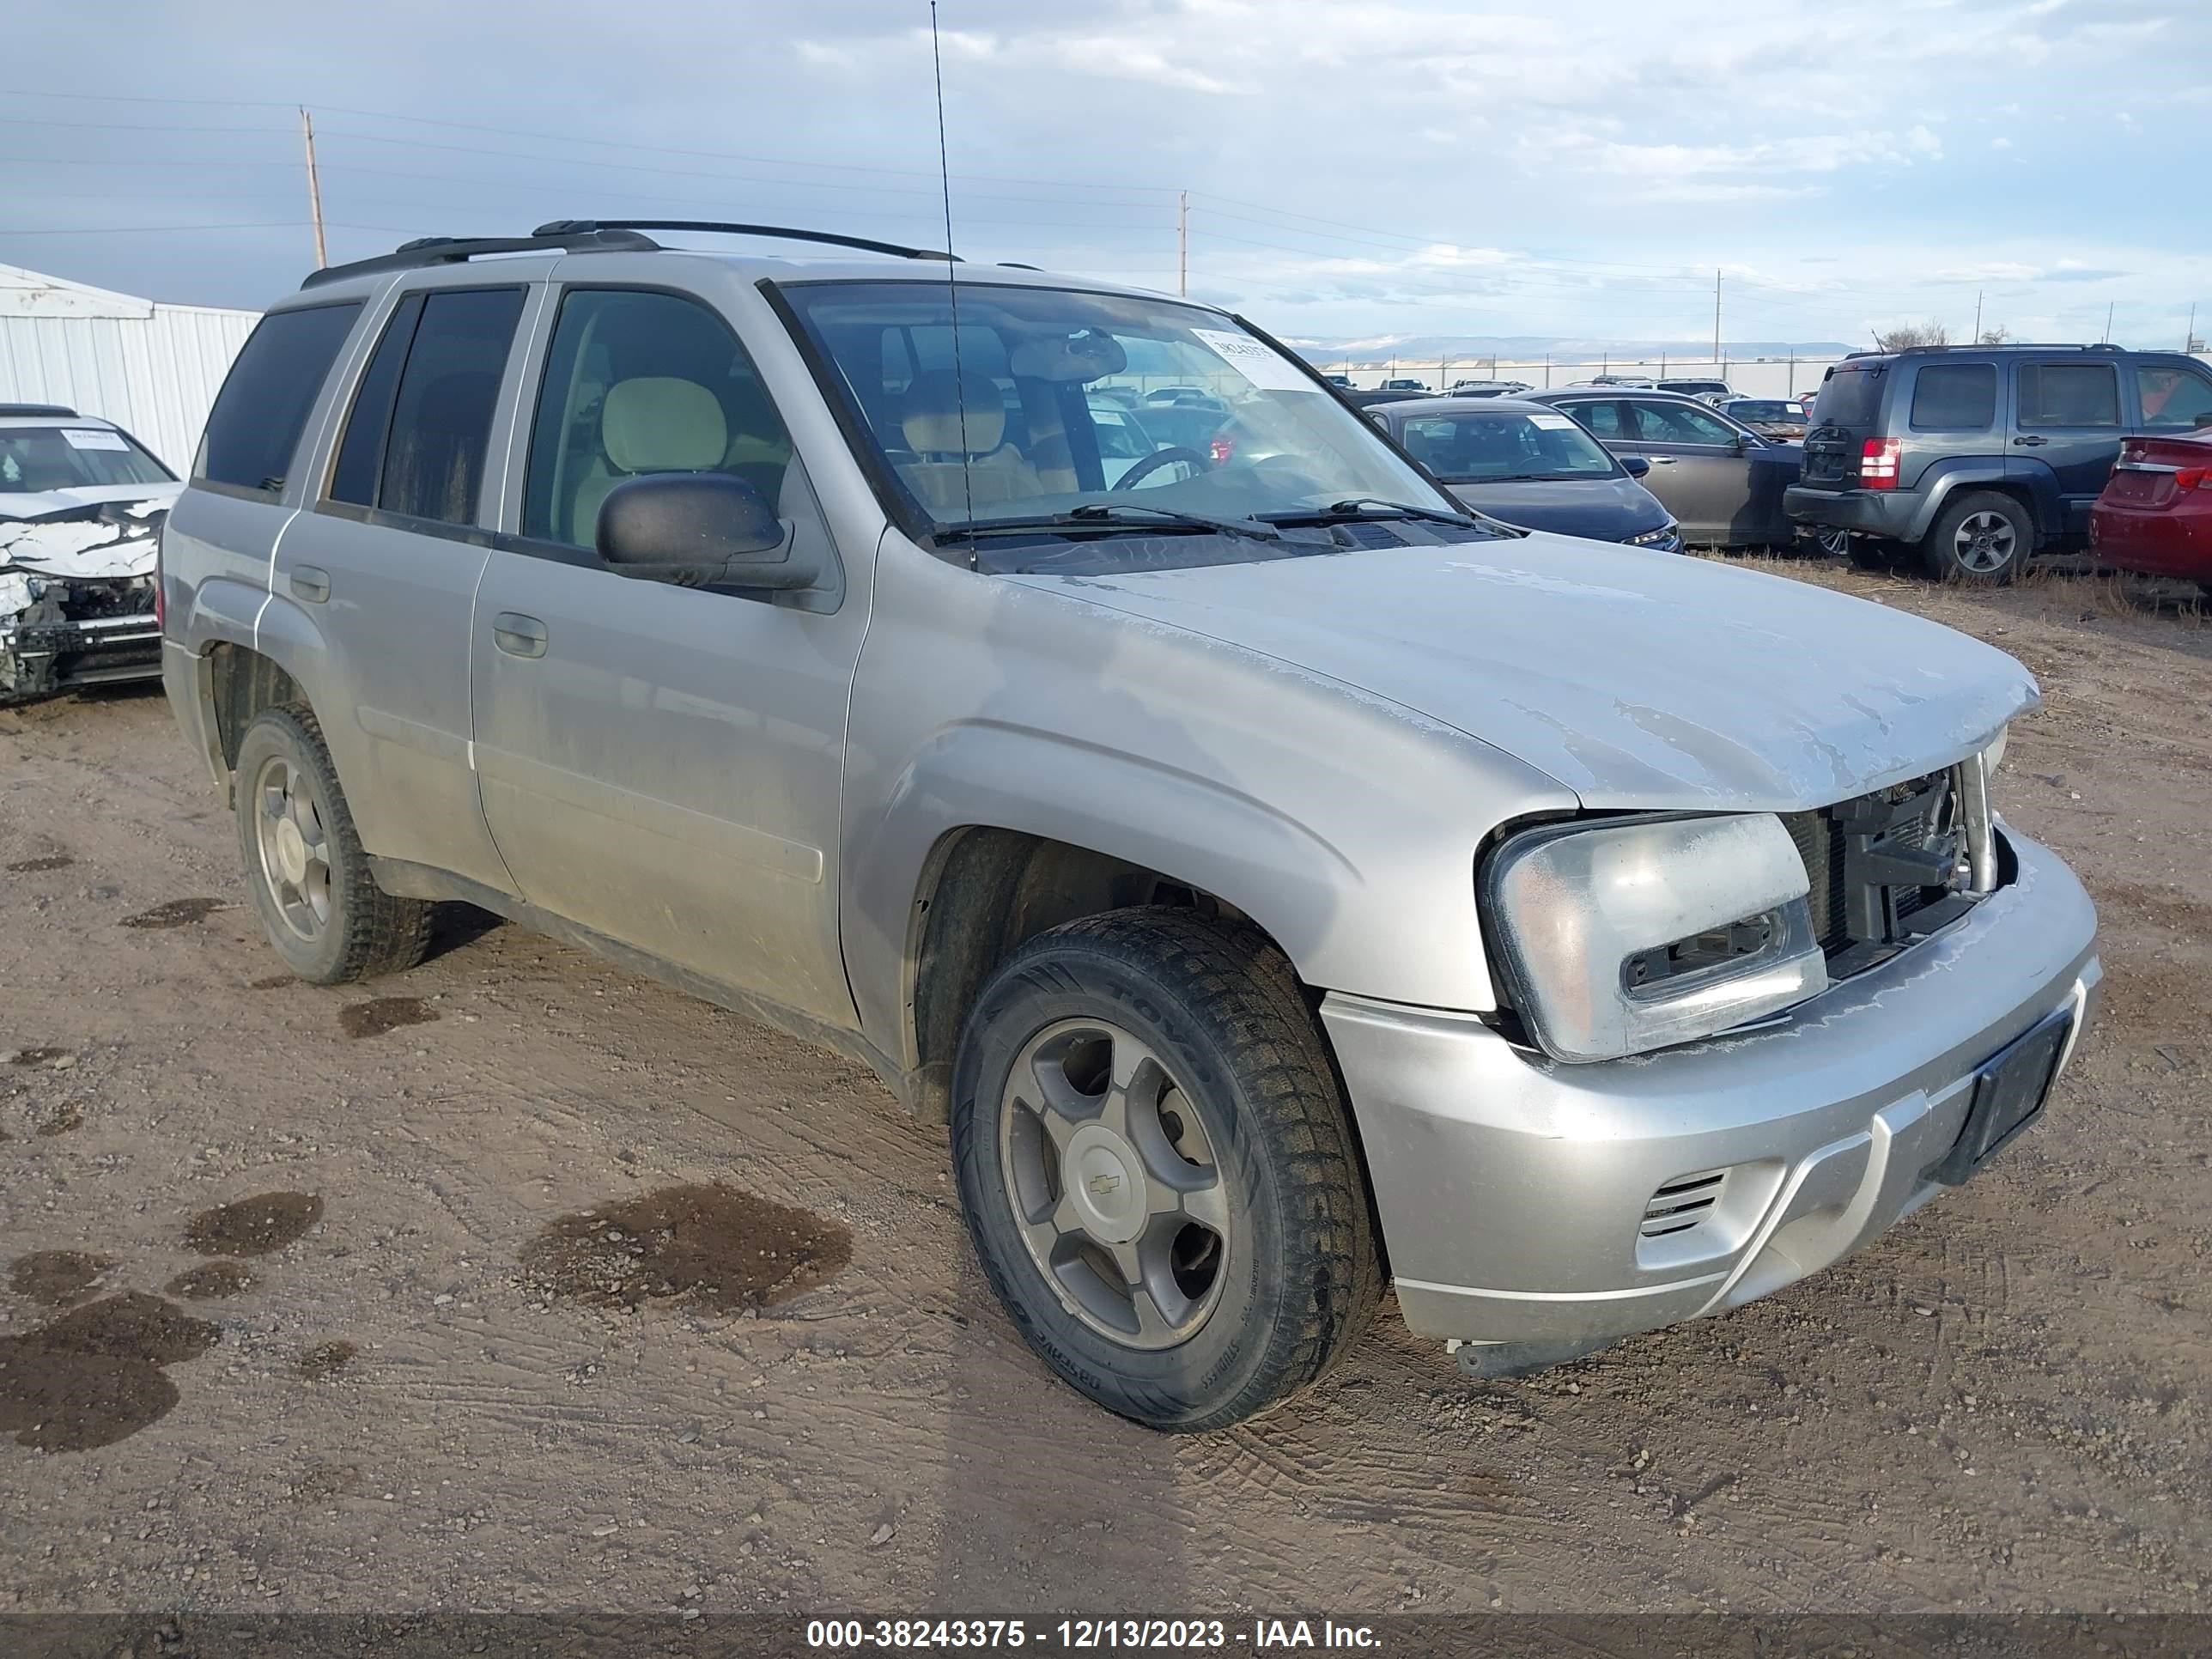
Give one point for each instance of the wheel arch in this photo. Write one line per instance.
(983, 892)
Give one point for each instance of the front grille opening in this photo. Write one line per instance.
(1682, 1204)
(1884, 869)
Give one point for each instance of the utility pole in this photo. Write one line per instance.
(1976, 340)
(1717, 323)
(2189, 334)
(1182, 243)
(315, 187)
(2108, 322)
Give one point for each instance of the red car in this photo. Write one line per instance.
(2155, 514)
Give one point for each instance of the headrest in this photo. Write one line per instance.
(935, 405)
(656, 423)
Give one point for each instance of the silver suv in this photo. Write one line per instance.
(1283, 883)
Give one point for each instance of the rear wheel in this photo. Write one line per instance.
(1157, 1167)
(1983, 539)
(321, 909)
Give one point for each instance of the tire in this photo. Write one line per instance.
(321, 909)
(1981, 539)
(1228, 1106)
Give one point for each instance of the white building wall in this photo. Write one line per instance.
(151, 368)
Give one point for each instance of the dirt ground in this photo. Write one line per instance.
(428, 1355)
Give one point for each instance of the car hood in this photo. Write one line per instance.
(1636, 680)
(1608, 509)
(45, 503)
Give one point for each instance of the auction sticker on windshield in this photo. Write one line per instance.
(1268, 370)
(92, 437)
(1552, 422)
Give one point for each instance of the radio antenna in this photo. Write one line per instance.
(952, 282)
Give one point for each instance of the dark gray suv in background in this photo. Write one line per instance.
(1966, 460)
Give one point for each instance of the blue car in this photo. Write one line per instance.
(1532, 466)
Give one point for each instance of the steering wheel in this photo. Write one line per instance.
(1158, 459)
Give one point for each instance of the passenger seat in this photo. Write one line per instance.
(949, 477)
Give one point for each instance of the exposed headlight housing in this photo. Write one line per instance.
(1622, 937)
(1994, 754)
(1667, 536)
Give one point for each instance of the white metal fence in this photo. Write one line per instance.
(1754, 377)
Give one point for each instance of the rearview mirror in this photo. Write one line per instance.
(697, 528)
(1635, 465)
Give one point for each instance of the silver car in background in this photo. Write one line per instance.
(1282, 883)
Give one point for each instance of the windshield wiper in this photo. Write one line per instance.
(1113, 515)
(1358, 507)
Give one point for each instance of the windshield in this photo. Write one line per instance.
(34, 459)
(1498, 445)
(1062, 401)
(1764, 411)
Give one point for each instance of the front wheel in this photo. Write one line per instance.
(1982, 539)
(1158, 1171)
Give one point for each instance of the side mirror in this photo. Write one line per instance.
(1635, 465)
(697, 528)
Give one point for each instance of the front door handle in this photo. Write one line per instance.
(1662, 460)
(2032, 443)
(310, 583)
(519, 635)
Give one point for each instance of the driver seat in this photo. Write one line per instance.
(956, 426)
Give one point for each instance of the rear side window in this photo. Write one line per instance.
(359, 462)
(2173, 398)
(264, 405)
(1955, 397)
(442, 410)
(2069, 395)
(1849, 396)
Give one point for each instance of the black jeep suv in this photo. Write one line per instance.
(1968, 459)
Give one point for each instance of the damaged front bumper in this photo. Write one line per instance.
(76, 600)
(1548, 1209)
(79, 633)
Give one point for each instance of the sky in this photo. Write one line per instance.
(1568, 171)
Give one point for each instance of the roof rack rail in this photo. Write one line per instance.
(1998, 345)
(782, 232)
(455, 250)
(49, 411)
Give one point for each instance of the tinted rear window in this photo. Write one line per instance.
(2069, 395)
(433, 457)
(1955, 397)
(263, 407)
(1849, 397)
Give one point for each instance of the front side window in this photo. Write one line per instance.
(2068, 395)
(1008, 426)
(2173, 398)
(639, 382)
(1680, 423)
(1506, 445)
(37, 458)
(1954, 398)
(263, 407)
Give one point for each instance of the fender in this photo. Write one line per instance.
(1941, 480)
(291, 638)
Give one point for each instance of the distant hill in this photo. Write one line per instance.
(1378, 351)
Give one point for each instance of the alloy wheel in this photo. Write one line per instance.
(293, 846)
(1114, 1184)
(1984, 543)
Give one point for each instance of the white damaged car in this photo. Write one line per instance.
(82, 504)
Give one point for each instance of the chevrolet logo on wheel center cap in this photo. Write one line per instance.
(1103, 1176)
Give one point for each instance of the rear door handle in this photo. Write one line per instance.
(519, 635)
(2032, 443)
(310, 583)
